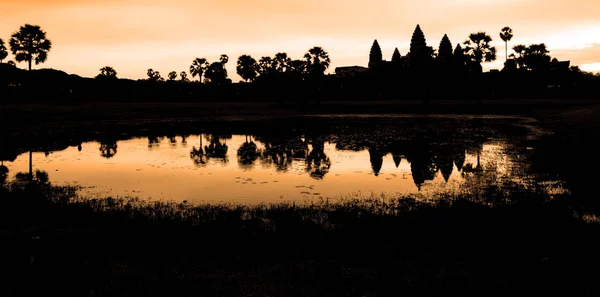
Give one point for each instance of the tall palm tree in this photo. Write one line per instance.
(30, 44)
(479, 49)
(224, 59)
(3, 51)
(317, 60)
(506, 35)
(199, 65)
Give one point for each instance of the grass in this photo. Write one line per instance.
(451, 245)
(20, 115)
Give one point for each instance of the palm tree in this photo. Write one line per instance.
(317, 60)
(183, 76)
(281, 62)
(506, 35)
(30, 44)
(108, 149)
(479, 49)
(224, 59)
(3, 51)
(154, 76)
(265, 65)
(247, 67)
(199, 65)
(172, 76)
(297, 66)
(519, 54)
(107, 72)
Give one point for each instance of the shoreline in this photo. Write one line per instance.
(17, 117)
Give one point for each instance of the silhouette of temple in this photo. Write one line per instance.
(350, 71)
(419, 54)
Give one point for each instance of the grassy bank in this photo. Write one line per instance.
(452, 245)
(43, 114)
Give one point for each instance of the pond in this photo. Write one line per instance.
(276, 160)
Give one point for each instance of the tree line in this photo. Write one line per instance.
(424, 72)
(314, 63)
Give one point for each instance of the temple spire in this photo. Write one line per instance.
(375, 56)
(396, 56)
(417, 42)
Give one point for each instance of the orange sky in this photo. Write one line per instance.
(134, 35)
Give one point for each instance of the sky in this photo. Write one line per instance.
(134, 35)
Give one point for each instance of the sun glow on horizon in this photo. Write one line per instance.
(132, 36)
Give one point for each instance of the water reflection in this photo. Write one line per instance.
(248, 153)
(217, 147)
(317, 162)
(108, 149)
(292, 164)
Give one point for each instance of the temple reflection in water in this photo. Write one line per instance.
(270, 164)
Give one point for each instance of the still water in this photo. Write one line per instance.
(358, 158)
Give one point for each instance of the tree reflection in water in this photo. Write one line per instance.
(154, 141)
(281, 152)
(317, 162)
(248, 153)
(198, 155)
(108, 149)
(215, 150)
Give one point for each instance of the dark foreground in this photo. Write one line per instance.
(454, 247)
(515, 243)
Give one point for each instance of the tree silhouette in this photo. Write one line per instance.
(520, 51)
(247, 68)
(248, 153)
(154, 76)
(30, 44)
(183, 76)
(281, 62)
(317, 60)
(317, 162)
(479, 49)
(224, 59)
(534, 57)
(172, 76)
(217, 73)
(265, 66)
(198, 67)
(216, 149)
(396, 57)
(375, 56)
(506, 34)
(107, 73)
(3, 173)
(3, 51)
(108, 149)
(459, 53)
(297, 68)
(445, 52)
